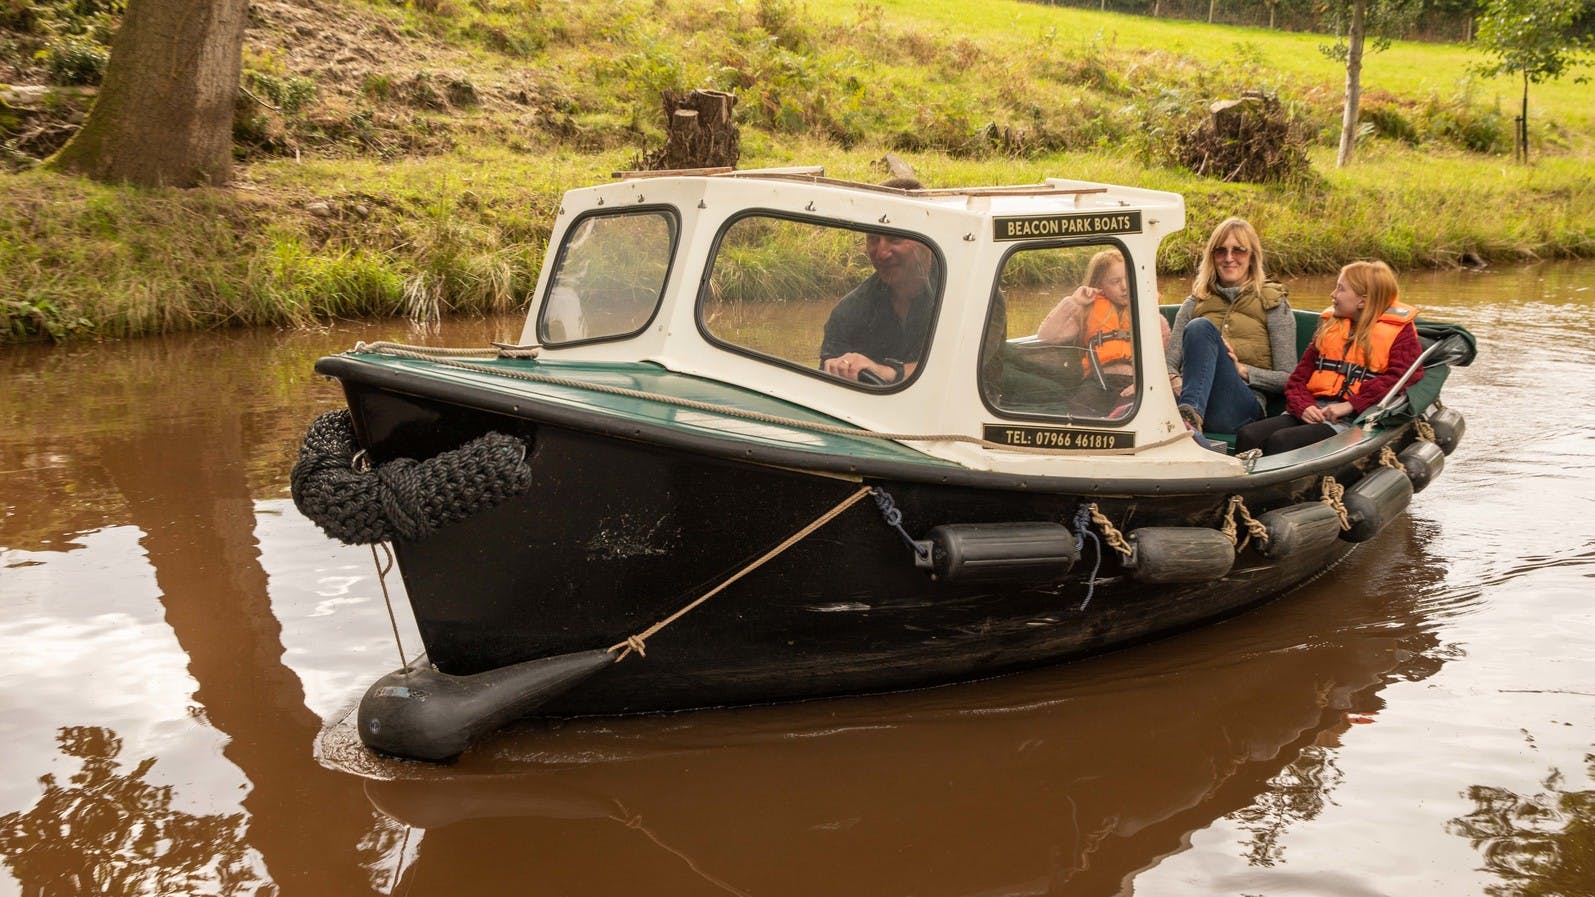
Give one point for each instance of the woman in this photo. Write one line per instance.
(1097, 315)
(1365, 342)
(1234, 337)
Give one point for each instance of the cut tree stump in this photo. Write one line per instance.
(701, 132)
(1252, 139)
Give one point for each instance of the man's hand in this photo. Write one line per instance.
(849, 366)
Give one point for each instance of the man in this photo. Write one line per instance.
(878, 331)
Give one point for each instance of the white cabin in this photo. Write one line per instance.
(734, 276)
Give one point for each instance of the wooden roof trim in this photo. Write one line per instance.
(815, 174)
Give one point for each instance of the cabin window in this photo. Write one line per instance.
(609, 277)
(841, 303)
(1061, 339)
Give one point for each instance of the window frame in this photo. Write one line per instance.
(1102, 242)
(814, 371)
(672, 216)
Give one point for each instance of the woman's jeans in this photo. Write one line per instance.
(1210, 382)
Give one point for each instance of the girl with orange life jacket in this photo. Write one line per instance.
(1365, 342)
(1097, 316)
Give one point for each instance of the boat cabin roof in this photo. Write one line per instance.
(965, 304)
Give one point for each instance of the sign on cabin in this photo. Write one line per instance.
(1059, 438)
(1030, 227)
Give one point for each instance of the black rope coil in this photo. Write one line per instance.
(401, 499)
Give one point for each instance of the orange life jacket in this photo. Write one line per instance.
(1341, 369)
(1106, 333)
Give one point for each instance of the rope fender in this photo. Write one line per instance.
(403, 498)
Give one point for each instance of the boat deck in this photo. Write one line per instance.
(648, 395)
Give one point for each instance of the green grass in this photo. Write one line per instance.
(426, 186)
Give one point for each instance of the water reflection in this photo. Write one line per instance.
(110, 832)
(1539, 844)
(172, 439)
(184, 484)
(1539, 839)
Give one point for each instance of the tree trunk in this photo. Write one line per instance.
(1348, 119)
(1211, 4)
(164, 116)
(700, 133)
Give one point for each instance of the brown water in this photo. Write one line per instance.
(177, 636)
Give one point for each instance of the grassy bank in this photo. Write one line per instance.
(421, 180)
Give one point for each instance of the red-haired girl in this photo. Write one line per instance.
(1365, 342)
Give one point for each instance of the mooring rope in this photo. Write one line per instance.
(497, 350)
(634, 822)
(403, 498)
(400, 351)
(1082, 531)
(1112, 535)
(1424, 428)
(894, 519)
(382, 578)
(638, 642)
(1387, 458)
(1332, 494)
(1254, 527)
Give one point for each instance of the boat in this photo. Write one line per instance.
(673, 492)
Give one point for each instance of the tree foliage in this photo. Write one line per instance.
(1361, 26)
(1537, 39)
(1383, 21)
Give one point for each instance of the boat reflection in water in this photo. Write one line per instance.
(1078, 776)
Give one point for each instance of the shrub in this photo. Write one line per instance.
(289, 95)
(74, 59)
(1459, 121)
(18, 15)
(1389, 122)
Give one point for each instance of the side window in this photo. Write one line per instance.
(852, 305)
(1061, 339)
(611, 273)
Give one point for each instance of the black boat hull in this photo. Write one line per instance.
(618, 534)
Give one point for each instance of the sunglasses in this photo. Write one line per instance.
(1239, 252)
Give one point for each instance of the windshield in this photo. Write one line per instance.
(853, 306)
(1061, 338)
(609, 277)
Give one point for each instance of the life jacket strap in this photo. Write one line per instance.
(1353, 373)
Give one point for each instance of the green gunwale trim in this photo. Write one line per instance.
(655, 380)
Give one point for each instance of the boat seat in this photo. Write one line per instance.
(1306, 326)
(1029, 375)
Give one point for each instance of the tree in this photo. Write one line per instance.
(1356, 22)
(164, 116)
(1535, 37)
